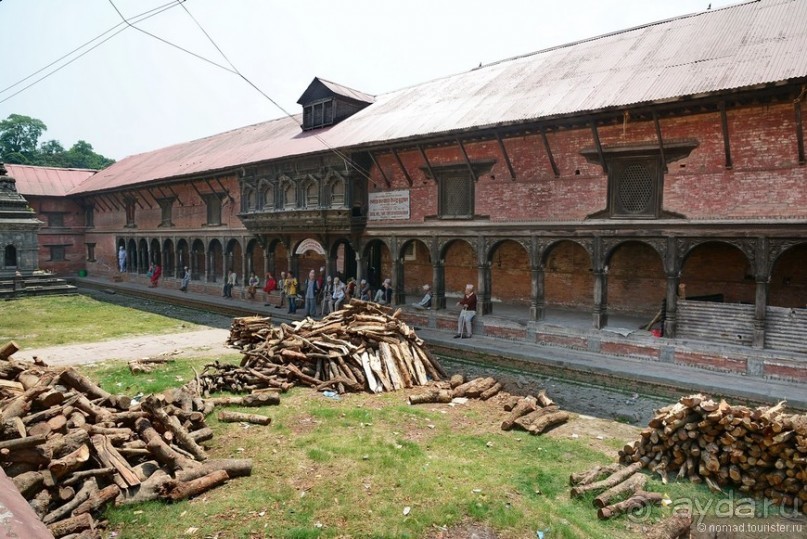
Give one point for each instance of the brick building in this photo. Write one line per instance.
(598, 176)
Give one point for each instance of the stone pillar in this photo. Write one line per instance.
(269, 262)
(439, 285)
(398, 292)
(483, 294)
(671, 305)
(294, 264)
(359, 269)
(760, 311)
(537, 302)
(600, 314)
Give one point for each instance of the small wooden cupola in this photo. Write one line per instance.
(327, 103)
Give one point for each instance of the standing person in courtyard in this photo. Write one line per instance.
(155, 275)
(229, 283)
(468, 304)
(290, 286)
(186, 280)
(121, 259)
(281, 285)
(326, 295)
(311, 291)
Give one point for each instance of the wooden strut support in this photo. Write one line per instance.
(467, 160)
(506, 156)
(598, 145)
(548, 151)
(403, 168)
(381, 170)
(799, 129)
(428, 164)
(660, 140)
(724, 126)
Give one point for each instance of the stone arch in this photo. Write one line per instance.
(378, 260)
(637, 283)
(788, 281)
(215, 259)
(460, 263)
(142, 256)
(155, 254)
(716, 270)
(310, 256)
(233, 258)
(182, 257)
(344, 258)
(198, 260)
(279, 254)
(510, 274)
(568, 275)
(169, 260)
(256, 258)
(133, 260)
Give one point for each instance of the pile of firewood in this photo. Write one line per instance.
(620, 490)
(71, 447)
(457, 387)
(760, 451)
(247, 331)
(533, 414)
(361, 347)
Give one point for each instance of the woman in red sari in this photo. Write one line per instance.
(155, 275)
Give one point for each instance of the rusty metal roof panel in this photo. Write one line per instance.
(743, 46)
(347, 92)
(47, 181)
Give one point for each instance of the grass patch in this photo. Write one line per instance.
(54, 320)
(349, 468)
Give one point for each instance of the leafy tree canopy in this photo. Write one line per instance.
(19, 143)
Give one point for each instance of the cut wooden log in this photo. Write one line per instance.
(99, 500)
(8, 349)
(180, 490)
(70, 462)
(475, 387)
(153, 405)
(638, 500)
(109, 456)
(613, 479)
(432, 395)
(543, 400)
(233, 467)
(541, 424)
(491, 391)
(236, 417)
(633, 483)
(28, 483)
(89, 488)
(593, 474)
(161, 451)
(71, 525)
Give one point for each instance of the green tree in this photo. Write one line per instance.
(52, 154)
(19, 136)
(81, 155)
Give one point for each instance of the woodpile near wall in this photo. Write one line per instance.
(760, 452)
(71, 448)
(361, 347)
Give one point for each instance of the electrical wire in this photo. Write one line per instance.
(232, 69)
(140, 17)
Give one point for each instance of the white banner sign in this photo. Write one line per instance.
(309, 244)
(389, 205)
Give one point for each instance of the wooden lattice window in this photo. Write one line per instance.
(635, 187)
(455, 196)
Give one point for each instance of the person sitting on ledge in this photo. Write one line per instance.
(426, 302)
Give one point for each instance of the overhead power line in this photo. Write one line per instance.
(118, 28)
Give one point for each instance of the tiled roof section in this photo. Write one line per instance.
(47, 181)
(742, 46)
(347, 92)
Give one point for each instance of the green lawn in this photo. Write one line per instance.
(50, 321)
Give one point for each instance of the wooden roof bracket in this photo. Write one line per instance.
(101, 202)
(175, 194)
(157, 202)
(226, 191)
(112, 202)
(548, 151)
(467, 161)
(660, 141)
(799, 126)
(134, 197)
(201, 196)
(381, 170)
(506, 157)
(597, 144)
(400, 164)
(428, 164)
(724, 125)
(114, 198)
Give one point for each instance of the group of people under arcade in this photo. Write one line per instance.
(320, 294)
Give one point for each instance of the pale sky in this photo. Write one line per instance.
(134, 93)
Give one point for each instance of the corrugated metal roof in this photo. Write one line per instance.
(347, 92)
(47, 181)
(741, 46)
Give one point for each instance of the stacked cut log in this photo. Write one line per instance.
(72, 448)
(361, 347)
(482, 388)
(761, 452)
(619, 488)
(534, 414)
(248, 331)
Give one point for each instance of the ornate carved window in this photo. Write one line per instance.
(289, 195)
(312, 195)
(455, 198)
(337, 187)
(268, 197)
